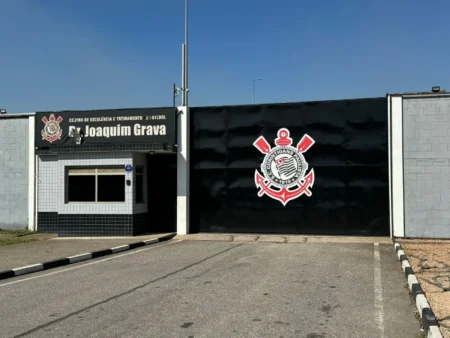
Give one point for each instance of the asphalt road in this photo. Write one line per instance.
(216, 289)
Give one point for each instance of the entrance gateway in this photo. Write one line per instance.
(295, 168)
(292, 168)
(100, 172)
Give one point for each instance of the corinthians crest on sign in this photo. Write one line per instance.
(284, 168)
(52, 130)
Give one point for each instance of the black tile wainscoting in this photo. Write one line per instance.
(82, 225)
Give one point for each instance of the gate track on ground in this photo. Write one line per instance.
(124, 293)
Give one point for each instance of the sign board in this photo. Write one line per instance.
(128, 168)
(140, 125)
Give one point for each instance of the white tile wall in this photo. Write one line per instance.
(52, 181)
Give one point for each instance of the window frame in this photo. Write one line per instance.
(114, 170)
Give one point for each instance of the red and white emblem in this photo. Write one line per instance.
(52, 130)
(284, 168)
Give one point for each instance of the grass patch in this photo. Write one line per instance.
(16, 233)
(8, 237)
(15, 240)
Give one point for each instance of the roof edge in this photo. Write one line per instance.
(17, 115)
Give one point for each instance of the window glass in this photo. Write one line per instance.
(104, 184)
(111, 188)
(81, 188)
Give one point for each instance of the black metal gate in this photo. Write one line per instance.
(349, 157)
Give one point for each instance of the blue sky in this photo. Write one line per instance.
(92, 54)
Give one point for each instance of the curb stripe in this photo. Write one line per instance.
(150, 241)
(433, 332)
(120, 248)
(416, 290)
(428, 318)
(101, 253)
(28, 269)
(429, 321)
(405, 264)
(6, 274)
(56, 263)
(408, 271)
(79, 258)
(412, 279)
(421, 303)
(136, 245)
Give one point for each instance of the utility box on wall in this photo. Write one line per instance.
(419, 154)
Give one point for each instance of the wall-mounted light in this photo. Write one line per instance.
(436, 89)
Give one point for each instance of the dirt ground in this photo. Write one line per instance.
(430, 260)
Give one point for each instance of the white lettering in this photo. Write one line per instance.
(125, 130)
(91, 131)
(137, 130)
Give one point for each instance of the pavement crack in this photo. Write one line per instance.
(43, 326)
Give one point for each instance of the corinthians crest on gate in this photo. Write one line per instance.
(52, 130)
(284, 168)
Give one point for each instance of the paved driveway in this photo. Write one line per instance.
(217, 289)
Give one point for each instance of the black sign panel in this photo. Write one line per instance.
(120, 126)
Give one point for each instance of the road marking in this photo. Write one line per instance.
(92, 263)
(378, 290)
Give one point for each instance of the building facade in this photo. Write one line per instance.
(375, 166)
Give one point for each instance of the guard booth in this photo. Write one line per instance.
(106, 172)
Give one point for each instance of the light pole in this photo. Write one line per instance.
(254, 98)
(184, 80)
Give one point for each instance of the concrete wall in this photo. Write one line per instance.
(426, 149)
(14, 134)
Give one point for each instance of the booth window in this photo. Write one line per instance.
(139, 188)
(98, 184)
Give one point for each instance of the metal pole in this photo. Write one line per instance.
(186, 52)
(174, 93)
(183, 75)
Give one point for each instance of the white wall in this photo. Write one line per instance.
(52, 180)
(396, 161)
(183, 172)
